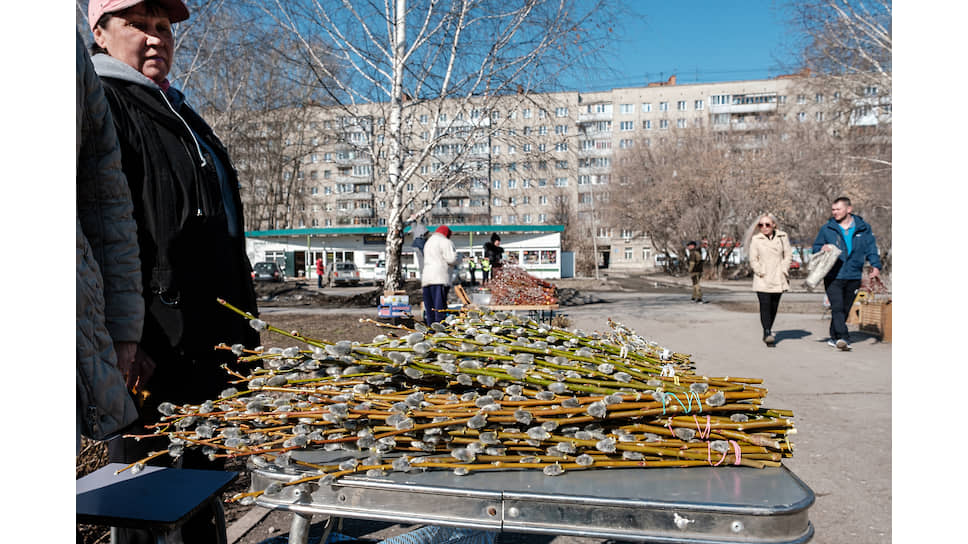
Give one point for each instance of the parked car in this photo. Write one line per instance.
(380, 272)
(342, 274)
(267, 271)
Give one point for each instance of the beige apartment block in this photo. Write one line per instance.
(535, 159)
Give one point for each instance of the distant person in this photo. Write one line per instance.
(439, 256)
(109, 308)
(770, 256)
(472, 268)
(694, 261)
(320, 272)
(854, 238)
(485, 270)
(419, 233)
(494, 254)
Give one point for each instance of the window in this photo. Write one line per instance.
(512, 219)
(424, 118)
(681, 123)
(720, 99)
(681, 105)
(721, 119)
(647, 124)
(496, 150)
(543, 199)
(584, 179)
(542, 148)
(512, 150)
(663, 106)
(561, 182)
(585, 198)
(526, 148)
(542, 130)
(526, 113)
(627, 234)
(628, 254)
(561, 146)
(497, 202)
(526, 218)
(496, 220)
(870, 91)
(496, 184)
(626, 108)
(561, 112)
(819, 116)
(818, 98)
(561, 165)
(542, 217)
(561, 129)
(663, 124)
(781, 99)
(801, 99)
(626, 125)
(625, 144)
(512, 184)
(698, 105)
(646, 107)
(542, 182)
(801, 116)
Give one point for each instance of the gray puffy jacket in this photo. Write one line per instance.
(109, 303)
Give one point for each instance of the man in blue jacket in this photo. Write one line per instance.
(853, 236)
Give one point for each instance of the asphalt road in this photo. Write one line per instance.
(841, 400)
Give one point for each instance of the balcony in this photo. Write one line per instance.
(592, 117)
(354, 196)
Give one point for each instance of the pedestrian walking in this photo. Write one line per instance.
(440, 256)
(855, 239)
(320, 272)
(770, 256)
(485, 270)
(694, 260)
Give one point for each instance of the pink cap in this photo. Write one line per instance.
(176, 9)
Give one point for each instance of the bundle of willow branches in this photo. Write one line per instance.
(478, 391)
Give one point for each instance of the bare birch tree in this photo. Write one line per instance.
(437, 80)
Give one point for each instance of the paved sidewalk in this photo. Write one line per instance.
(841, 401)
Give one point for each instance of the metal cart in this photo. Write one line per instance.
(663, 505)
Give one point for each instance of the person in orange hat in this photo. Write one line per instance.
(439, 256)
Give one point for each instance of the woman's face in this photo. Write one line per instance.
(141, 39)
(766, 225)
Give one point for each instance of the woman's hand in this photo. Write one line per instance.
(134, 364)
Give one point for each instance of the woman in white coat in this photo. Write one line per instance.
(770, 257)
(435, 279)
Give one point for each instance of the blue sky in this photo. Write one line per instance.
(699, 41)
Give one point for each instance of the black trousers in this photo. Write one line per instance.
(769, 304)
(840, 294)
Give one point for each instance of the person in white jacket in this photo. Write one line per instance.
(439, 256)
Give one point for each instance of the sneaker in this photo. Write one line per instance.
(701, 301)
(832, 343)
(842, 345)
(769, 339)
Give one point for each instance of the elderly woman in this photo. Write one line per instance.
(186, 204)
(770, 257)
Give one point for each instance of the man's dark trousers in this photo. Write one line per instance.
(840, 294)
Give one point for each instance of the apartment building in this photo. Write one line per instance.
(528, 160)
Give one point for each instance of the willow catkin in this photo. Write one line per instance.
(482, 384)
